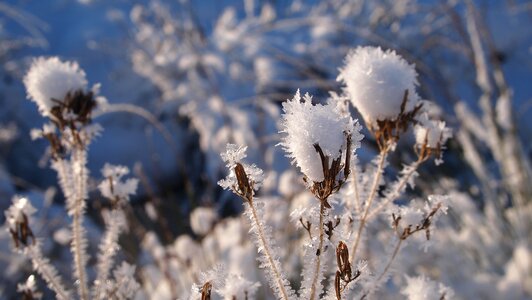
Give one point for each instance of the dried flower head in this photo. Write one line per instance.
(307, 126)
(50, 80)
(243, 179)
(376, 82)
(17, 219)
(319, 141)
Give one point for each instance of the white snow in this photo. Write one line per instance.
(50, 78)
(305, 125)
(375, 82)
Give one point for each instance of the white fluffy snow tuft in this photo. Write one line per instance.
(306, 125)
(50, 78)
(376, 81)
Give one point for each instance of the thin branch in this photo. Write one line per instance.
(373, 192)
(319, 253)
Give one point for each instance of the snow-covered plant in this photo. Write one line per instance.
(60, 91)
(242, 180)
(319, 141)
(431, 136)
(49, 80)
(18, 218)
(317, 137)
(382, 87)
(340, 224)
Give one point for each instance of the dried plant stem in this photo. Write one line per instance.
(108, 248)
(47, 271)
(78, 239)
(267, 251)
(373, 192)
(399, 187)
(317, 272)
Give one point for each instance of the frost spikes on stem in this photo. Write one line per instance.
(242, 180)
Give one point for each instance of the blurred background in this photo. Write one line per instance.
(187, 77)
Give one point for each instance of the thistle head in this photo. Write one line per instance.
(382, 87)
(319, 140)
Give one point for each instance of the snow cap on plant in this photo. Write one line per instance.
(376, 82)
(243, 179)
(307, 125)
(382, 86)
(49, 80)
(60, 91)
(319, 139)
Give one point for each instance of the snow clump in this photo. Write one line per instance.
(49, 80)
(306, 125)
(376, 81)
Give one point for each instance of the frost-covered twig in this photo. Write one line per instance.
(409, 172)
(278, 282)
(243, 180)
(318, 269)
(42, 265)
(77, 210)
(403, 232)
(371, 196)
(115, 223)
(60, 91)
(18, 219)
